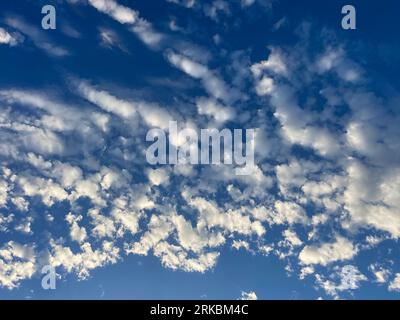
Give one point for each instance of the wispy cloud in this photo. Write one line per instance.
(36, 35)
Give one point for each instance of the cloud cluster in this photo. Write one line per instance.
(324, 187)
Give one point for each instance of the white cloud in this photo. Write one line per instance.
(288, 212)
(274, 64)
(17, 263)
(152, 114)
(211, 82)
(231, 220)
(213, 109)
(366, 185)
(334, 59)
(349, 279)
(25, 225)
(159, 228)
(85, 260)
(238, 244)
(38, 37)
(292, 238)
(107, 102)
(125, 214)
(251, 295)
(306, 271)
(265, 86)
(88, 188)
(67, 174)
(145, 32)
(7, 38)
(381, 274)
(118, 12)
(110, 39)
(175, 258)
(326, 253)
(158, 176)
(142, 28)
(3, 193)
(48, 190)
(394, 285)
(77, 233)
(103, 226)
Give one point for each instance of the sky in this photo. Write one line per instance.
(317, 217)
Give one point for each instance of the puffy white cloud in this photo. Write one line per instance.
(366, 188)
(158, 176)
(288, 212)
(175, 258)
(77, 233)
(381, 274)
(195, 239)
(297, 125)
(306, 271)
(232, 220)
(292, 238)
(191, 240)
(326, 253)
(349, 278)
(103, 226)
(159, 228)
(394, 285)
(3, 193)
(67, 174)
(17, 262)
(43, 141)
(125, 214)
(274, 64)
(85, 260)
(90, 189)
(215, 110)
(265, 86)
(48, 190)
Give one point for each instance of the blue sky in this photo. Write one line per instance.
(319, 215)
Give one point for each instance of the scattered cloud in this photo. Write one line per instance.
(251, 295)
